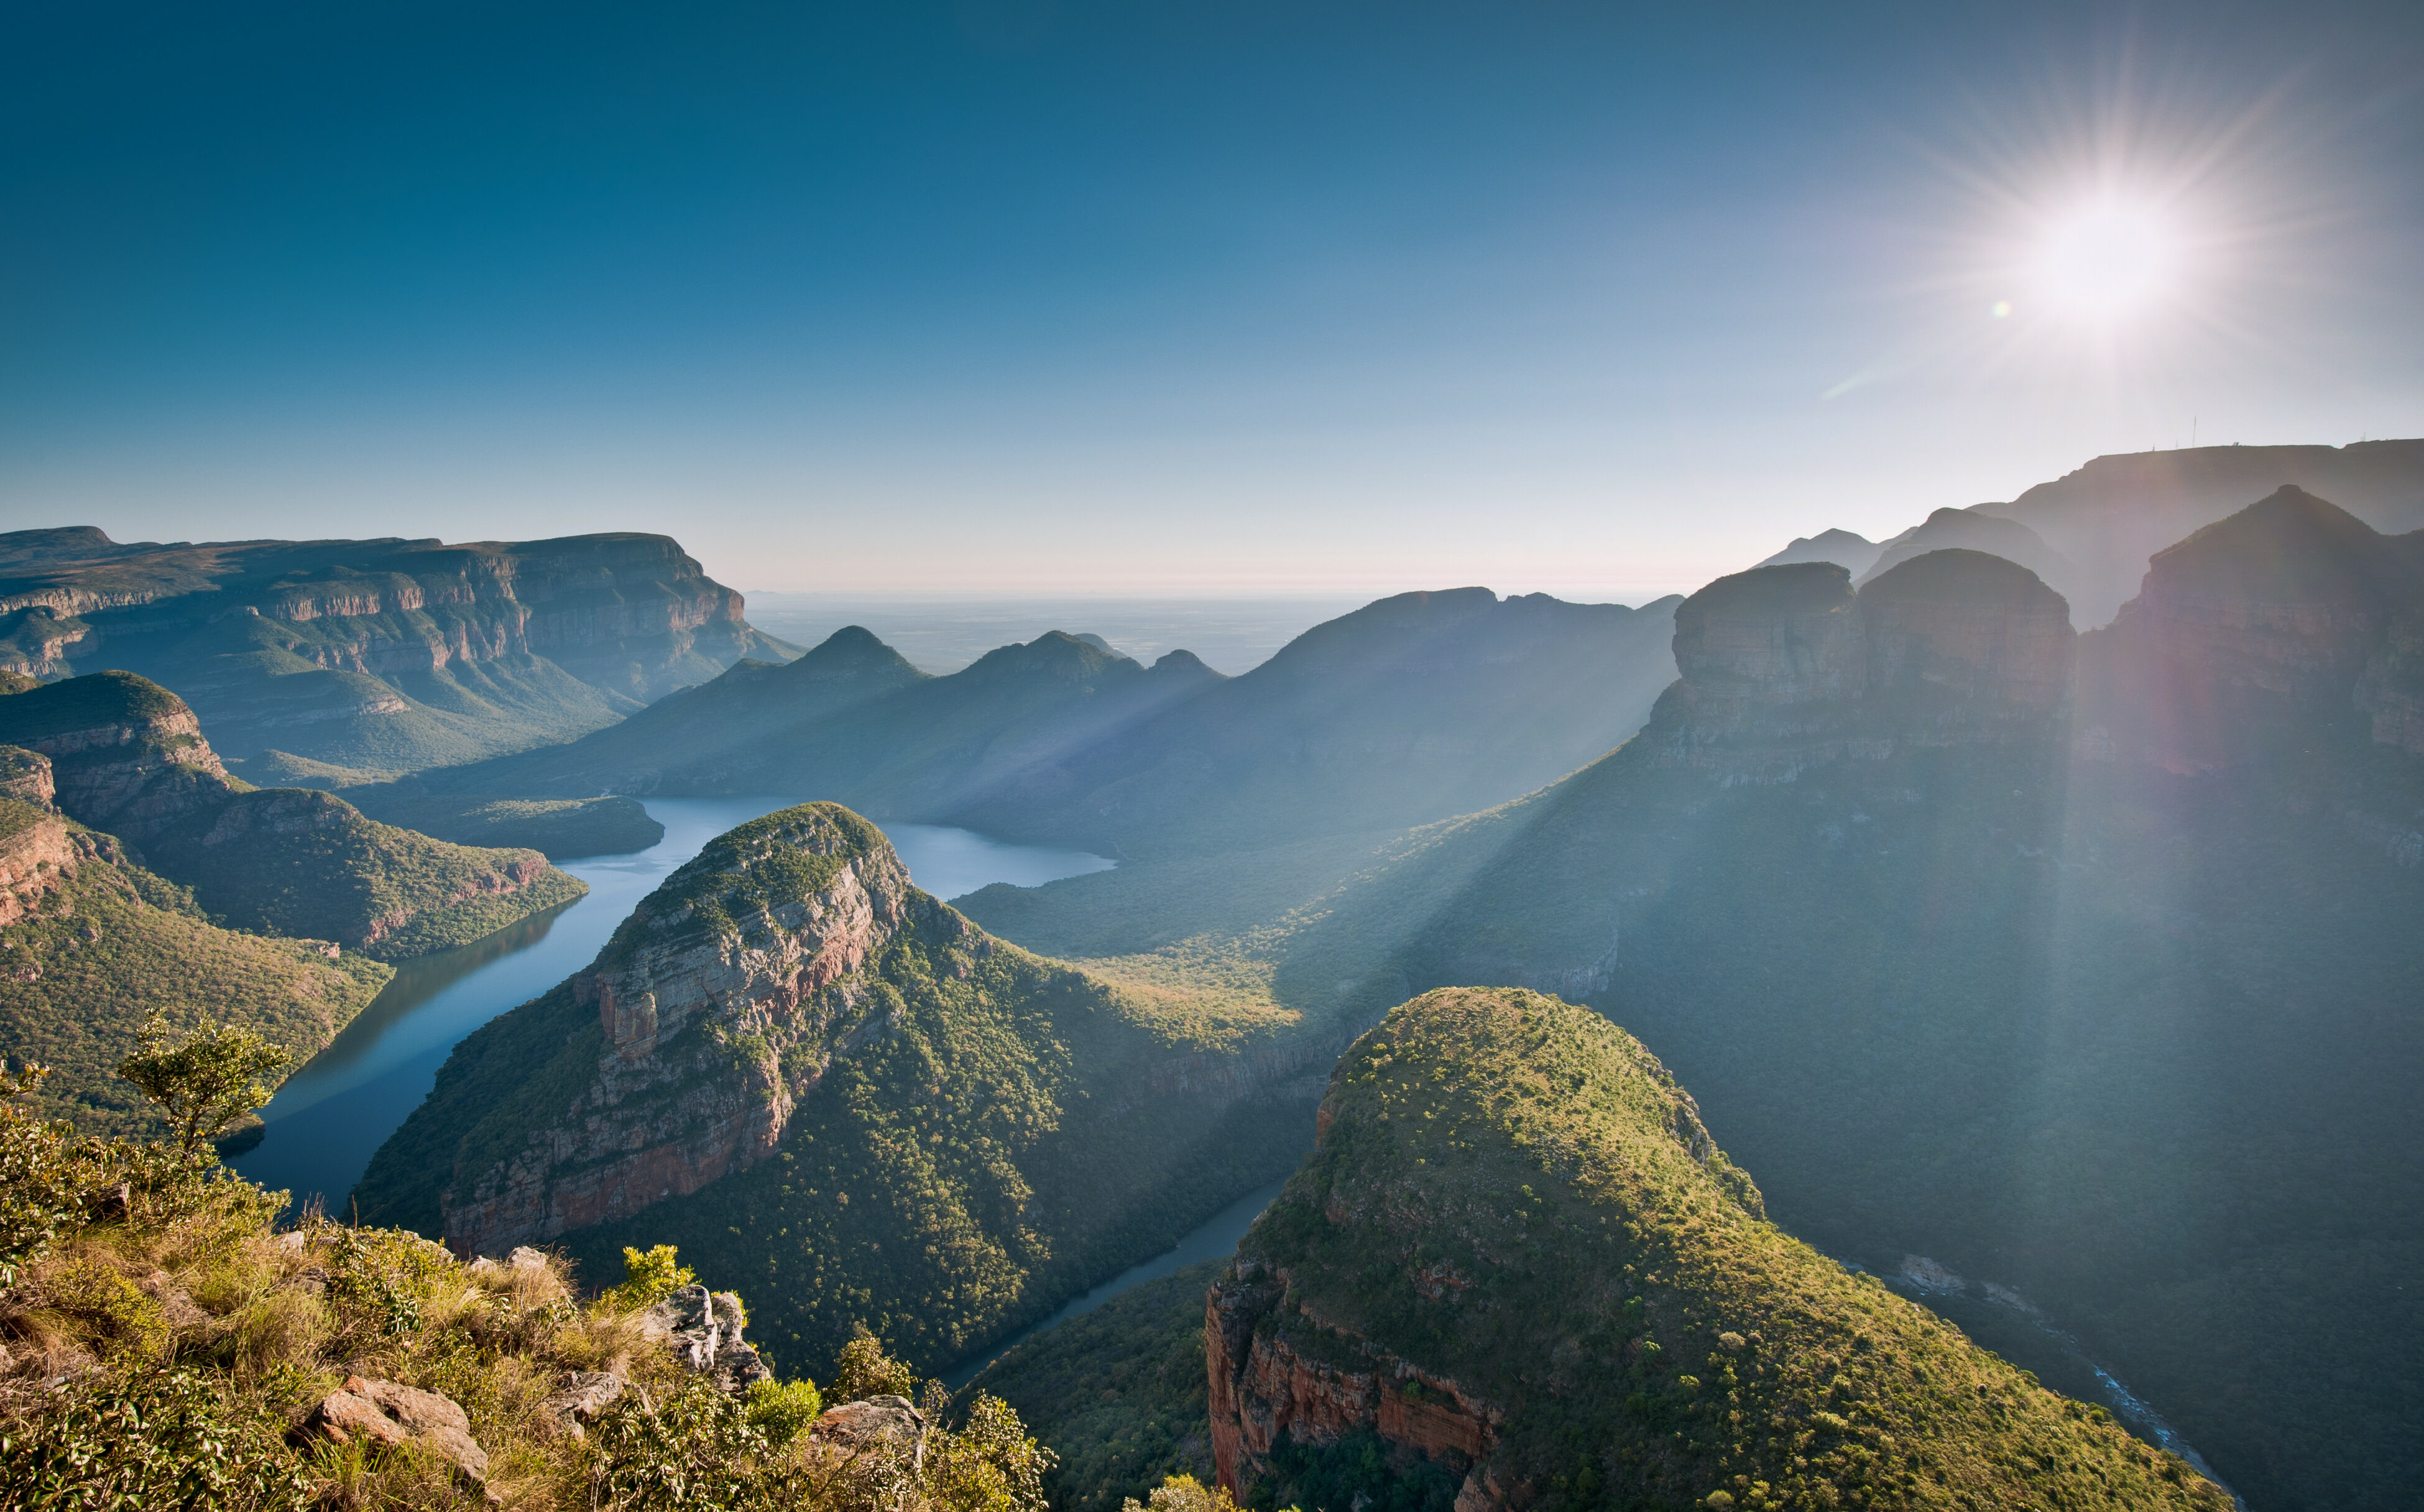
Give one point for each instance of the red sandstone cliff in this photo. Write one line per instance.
(1266, 1384)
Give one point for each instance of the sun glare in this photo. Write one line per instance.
(2107, 261)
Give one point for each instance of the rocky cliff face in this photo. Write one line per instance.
(37, 854)
(714, 1004)
(124, 755)
(1269, 1386)
(26, 776)
(1786, 666)
(379, 654)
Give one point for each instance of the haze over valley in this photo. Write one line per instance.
(1034, 759)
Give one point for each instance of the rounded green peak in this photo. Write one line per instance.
(1513, 1195)
(86, 703)
(788, 855)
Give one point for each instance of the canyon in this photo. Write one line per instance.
(338, 661)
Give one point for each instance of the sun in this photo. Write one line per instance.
(2107, 261)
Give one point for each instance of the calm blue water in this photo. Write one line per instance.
(331, 1116)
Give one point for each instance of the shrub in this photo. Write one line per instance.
(649, 1277)
(864, 1370)
(780, 1410)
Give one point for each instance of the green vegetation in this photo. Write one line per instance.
(205, 1080)
(290, 861)
(1118, 1394)
(560, 829)
(1514, 1194)
(85, 702)
(116, 946)
(159, 1342)
(974, 1133)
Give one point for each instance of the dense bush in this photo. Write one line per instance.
(158, 1337)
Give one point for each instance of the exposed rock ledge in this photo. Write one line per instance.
(687, 980)
(1264, 1387)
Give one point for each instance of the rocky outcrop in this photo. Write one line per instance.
(702, 1329)
(26, 776)
(1973, 639)
(1267, 1384)
(37, 855)
(384, 1414)
(714, 1014)
(874, 1425)
(125, 754)
(1785, 667)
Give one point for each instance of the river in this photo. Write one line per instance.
(330, 1117)
(1215, 1238)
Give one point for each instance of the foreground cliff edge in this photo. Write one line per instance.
(1516, 1272)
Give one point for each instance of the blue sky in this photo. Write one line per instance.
(1007, 296)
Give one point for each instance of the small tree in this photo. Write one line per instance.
(649, 1276)
(864, 1370)
(206, 1080)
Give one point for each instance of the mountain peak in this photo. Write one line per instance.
(852, 652)
(2287, 547)
(1053, 654)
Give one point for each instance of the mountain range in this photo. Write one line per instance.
(2062, 978)
(2046, 946)
(1410, 709)
(2090, 533)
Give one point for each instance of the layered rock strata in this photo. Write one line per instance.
(713, 1005)
(1268, 1385)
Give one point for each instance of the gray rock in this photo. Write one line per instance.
(703, 1332)
(582, 1398)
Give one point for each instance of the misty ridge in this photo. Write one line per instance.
(1892, 1026)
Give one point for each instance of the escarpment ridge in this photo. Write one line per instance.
(1517, 1264)
(335, 662)
(122, 754)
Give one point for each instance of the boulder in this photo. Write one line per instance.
(391, 1415)
(876, 1423)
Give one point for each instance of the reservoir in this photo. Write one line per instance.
(330, 1117)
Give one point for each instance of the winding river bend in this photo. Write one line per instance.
(330, 1117)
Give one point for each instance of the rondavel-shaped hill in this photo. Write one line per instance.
(1517, 1272)
(333, 662)
(1410, 709)
(794, 1065)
